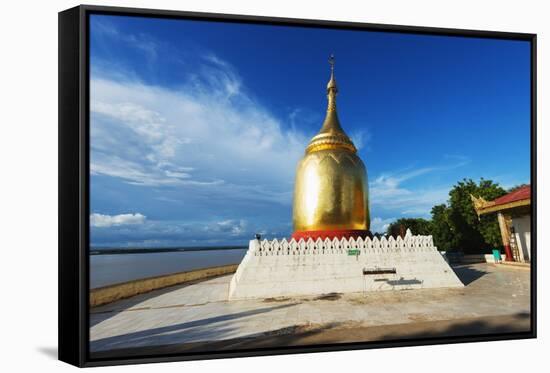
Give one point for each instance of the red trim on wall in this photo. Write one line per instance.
(508, 251)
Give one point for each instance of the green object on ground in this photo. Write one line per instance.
(353, 252)
(496, 255)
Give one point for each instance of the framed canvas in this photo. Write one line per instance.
(237, 186)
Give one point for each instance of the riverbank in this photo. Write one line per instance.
(149, 250)
(112, 293)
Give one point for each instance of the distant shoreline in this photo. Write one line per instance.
(146, 250)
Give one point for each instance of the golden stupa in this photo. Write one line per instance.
(331, 190)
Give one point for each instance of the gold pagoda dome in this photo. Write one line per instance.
(331, 190)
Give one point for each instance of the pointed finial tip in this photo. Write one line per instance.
(332, 82)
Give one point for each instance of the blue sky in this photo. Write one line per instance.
(196, 127)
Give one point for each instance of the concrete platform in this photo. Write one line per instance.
(292, 269)
(199, 314)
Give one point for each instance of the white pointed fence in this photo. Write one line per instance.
(341, 246)
(281, 268)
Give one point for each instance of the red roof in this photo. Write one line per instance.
(517, 195)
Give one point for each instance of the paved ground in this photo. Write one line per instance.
(197, 317)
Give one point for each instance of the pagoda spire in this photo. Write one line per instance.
(332, 89)
(331, 134)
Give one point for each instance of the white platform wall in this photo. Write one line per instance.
(281, 268)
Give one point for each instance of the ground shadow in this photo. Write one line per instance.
(329, 296)
(404, 281)
(467, 274)
(338, 333)
(105, 312)
(208, 329)
(50, 352)
(504, 324)
(274, 338)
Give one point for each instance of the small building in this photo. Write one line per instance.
(513, 212)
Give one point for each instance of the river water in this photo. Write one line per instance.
(108, 269)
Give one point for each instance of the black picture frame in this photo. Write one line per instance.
(74, 191)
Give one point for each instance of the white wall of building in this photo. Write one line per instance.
(522, 232)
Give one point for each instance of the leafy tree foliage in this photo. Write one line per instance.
(514, 188)
(455, 225)
(470, 233)
(442, 231)
(416, 225)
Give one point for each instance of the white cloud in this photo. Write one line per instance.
(175, 233)
(230, 226)
(389, 191)
(194, 136)
(379, 225)
(103, 221)
(142, 41)
(361, 138)
(410, 202)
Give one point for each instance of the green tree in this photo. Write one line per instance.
(442, 232)
(455, 225)
(416, 225)
(470, 233)
(514, 188)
